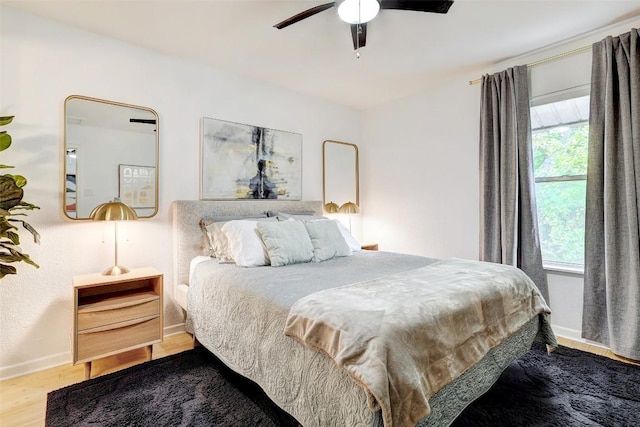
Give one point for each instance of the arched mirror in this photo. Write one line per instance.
(340, 173)
(110, 150)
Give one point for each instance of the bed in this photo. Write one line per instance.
(239, 314)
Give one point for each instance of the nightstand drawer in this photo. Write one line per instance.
(116, 337)
(108, 310)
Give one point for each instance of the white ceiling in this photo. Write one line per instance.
(406, 52)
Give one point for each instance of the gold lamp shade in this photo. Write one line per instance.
(114, 211)
(332, 207)
(349, 208)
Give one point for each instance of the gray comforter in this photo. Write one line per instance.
(239, 314)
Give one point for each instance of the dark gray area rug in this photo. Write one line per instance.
(567, 388)
(192, 388)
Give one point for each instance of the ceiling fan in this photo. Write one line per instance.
(359, 12)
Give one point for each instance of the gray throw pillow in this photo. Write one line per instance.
(287, 242)
(327, 240)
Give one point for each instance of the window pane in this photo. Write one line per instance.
(560, 139)
(567, 111)
(561, 150)
(561, 210)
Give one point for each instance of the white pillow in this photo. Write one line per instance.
(218, 240)
(287, 242)
(327, 240)
(245, 245)
(353, 243)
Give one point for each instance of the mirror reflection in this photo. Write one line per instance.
(110, 150)
(340, 172)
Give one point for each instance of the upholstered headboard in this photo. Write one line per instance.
(187, 236)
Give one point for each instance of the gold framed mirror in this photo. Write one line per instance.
(340, 174)
(110, 150)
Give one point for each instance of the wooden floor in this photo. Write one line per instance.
(23, 400)
(593, 349)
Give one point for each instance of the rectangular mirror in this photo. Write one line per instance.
(340, 173)
(110, 150)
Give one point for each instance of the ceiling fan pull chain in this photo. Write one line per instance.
(359, 32)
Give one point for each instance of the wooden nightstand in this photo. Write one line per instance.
(113, 314)
(369, 246)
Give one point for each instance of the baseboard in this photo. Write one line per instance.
(35, 365)
(173, 329)
(59, 359)
(574, 335)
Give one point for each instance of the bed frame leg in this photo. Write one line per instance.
(195, 341)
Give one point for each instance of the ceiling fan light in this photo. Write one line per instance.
(358, 11)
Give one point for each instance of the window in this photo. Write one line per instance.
(560, 132)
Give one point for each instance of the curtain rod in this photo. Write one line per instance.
(549, 59)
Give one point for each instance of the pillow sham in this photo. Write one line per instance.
(205, 243)
(353, 243)
(218, 242)
(217, 245)
(245, 246)
(287, 242)
(327, 240)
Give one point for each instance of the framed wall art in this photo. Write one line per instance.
(136, 186)
(241, 161)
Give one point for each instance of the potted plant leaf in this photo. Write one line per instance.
(12, 209)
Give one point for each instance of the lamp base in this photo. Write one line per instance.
(115, 270)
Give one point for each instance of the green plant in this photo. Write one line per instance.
(12, 206)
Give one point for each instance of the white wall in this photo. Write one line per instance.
(43, 63)
(420, 167)
(420, 173)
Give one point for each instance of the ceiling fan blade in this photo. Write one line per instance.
(435, 6)
(303, 15)
(359, 37)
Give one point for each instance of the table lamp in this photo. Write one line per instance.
(114, 211)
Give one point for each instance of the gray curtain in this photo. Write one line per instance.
(508, 217)
(611, 312)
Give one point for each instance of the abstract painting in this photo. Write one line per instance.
(241, 161)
